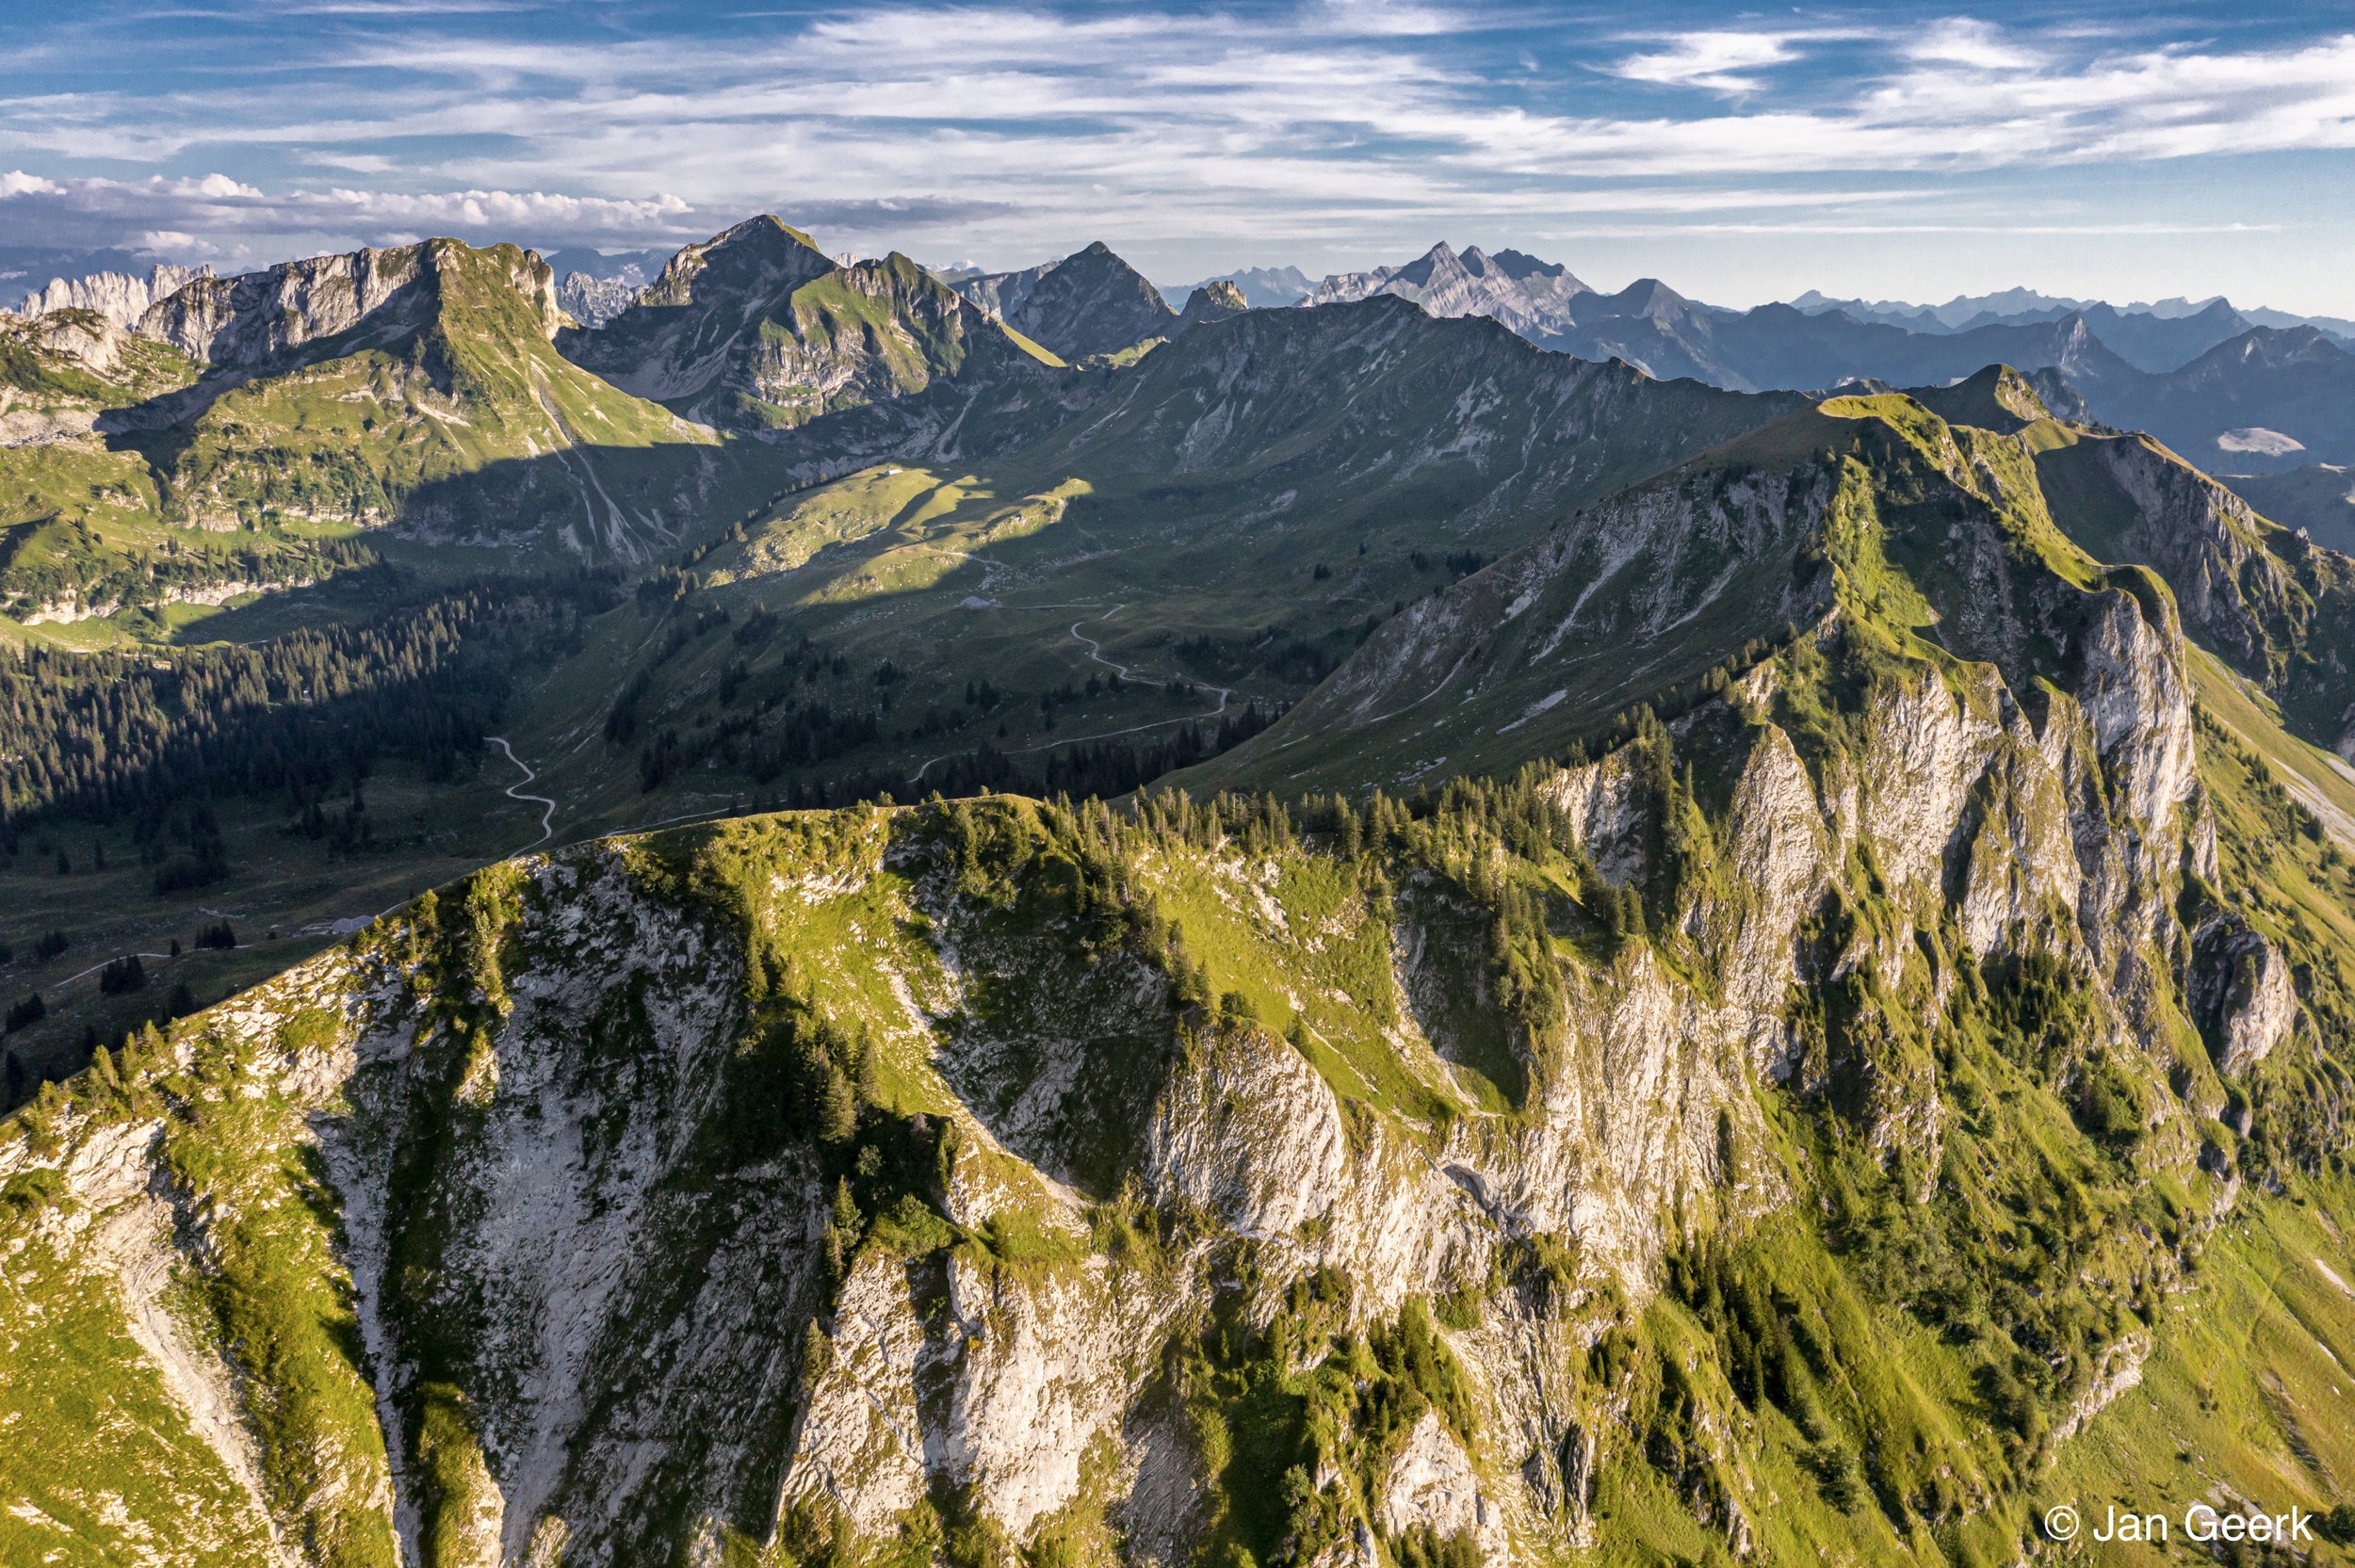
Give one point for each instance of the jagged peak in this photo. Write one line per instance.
(758, 247)
(1440, 258)
(1215, 300)
(765, 228)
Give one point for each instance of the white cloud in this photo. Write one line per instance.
(1722, 62)
(1962, 41)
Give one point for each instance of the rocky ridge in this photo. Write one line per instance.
(122, 297)
(249, 321)
(1530, 296)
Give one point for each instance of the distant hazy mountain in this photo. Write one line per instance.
(608, 264)
(2199, 376)
(2320, 498)
(2112, 323)
(1781, 347)
(1963, 310)
(2148, 341)
(2269, 401)
(1262, 287)
(2334, 327)
(593, 286)
(1811, 346)
(1531, 297)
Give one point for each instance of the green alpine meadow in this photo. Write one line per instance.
(738, 906)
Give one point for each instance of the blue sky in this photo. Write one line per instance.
(1743, 154)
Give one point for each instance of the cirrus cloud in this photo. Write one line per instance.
(1009, 130)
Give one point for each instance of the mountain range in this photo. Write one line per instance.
(1262, 287)
(2017, 305)
(759, 328)
(2234, 395)
(854, 915)
(1531, 297)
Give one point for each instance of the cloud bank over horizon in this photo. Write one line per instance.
(1889, 151)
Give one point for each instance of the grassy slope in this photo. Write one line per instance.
(2247, 1396)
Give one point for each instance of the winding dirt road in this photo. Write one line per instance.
(514, 792)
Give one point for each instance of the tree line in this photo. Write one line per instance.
(146, 736)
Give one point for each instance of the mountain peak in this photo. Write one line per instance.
(1213, 301)
(1997, 398)
(758, 327)
(1521, 266)
(1091, 303)
(1530, 296)
(1646, 299)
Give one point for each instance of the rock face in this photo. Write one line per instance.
(1433, 1486)
(1531, 297)
(2271, 602)
(121, 297)
(249, 321)
(2241, 993)
(68, 371)
(593, 301)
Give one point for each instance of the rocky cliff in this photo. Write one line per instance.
(122, 297)
(1213, 301)
(250, 319)
(1532, 297)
